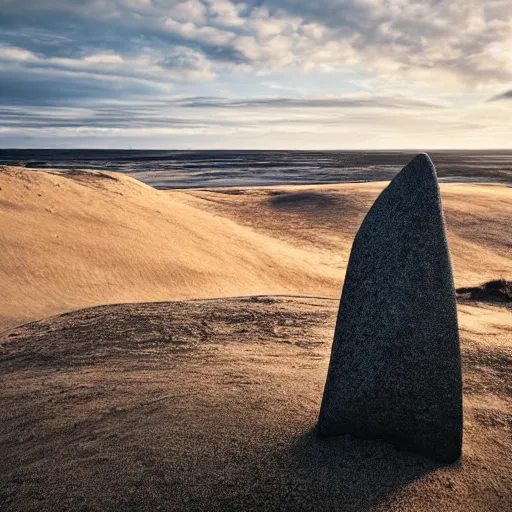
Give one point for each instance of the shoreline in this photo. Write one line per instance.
(206, 169)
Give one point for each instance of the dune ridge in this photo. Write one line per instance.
(81, 238)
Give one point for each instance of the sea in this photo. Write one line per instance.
(201, 169)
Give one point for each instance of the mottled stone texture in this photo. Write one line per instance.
(395, 371)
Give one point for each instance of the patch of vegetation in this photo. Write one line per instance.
(497, 290)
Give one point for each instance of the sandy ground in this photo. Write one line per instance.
(76, 239)
(211, 404)
(325, 218)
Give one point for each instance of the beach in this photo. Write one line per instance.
(168, 348)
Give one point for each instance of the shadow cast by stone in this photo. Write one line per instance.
(498, 290)
(360, 474)
(340, 473)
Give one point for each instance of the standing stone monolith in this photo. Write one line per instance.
(395, 370)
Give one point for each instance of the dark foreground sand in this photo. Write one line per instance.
(211, 405)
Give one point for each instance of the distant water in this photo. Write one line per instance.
(197, 169)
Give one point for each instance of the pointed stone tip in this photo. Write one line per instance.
(422, 159)
(421, 162)
(419, 169)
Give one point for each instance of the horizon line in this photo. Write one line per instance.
(421, 150)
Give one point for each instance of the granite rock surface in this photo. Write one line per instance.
(395, 369)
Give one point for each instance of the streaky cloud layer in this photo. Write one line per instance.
(157, 73)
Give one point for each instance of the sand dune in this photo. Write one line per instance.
(77, 239)
(325, 219)
(210, 404)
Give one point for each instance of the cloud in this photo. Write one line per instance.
(54, 111)
(183, 61)
(472, 42)
(400, 36)
(113, 118)
(28, 78)
(157, 126)
(507, 95)
(307, 103)
(64, 87)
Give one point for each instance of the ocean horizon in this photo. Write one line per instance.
(185, 169)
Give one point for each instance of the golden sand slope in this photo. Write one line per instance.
(325, 218)
(209, 405)
(76, 239)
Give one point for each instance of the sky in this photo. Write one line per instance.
(276, 74)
